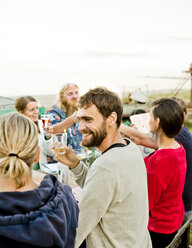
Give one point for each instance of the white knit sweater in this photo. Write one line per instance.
(114, 203)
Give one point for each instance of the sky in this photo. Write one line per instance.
(124, 45)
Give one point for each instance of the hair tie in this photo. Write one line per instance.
(13, 154)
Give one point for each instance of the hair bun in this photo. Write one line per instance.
(13, 155)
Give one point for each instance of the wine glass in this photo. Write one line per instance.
(45, 118)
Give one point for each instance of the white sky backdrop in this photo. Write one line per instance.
(115, 43)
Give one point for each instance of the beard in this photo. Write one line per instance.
(97, 136)
(71, 107)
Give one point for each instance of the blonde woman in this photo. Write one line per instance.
(31, 216)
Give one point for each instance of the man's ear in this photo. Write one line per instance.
(36, 157)
(112, 119)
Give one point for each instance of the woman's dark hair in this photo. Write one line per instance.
(21, 103)
(170, 114)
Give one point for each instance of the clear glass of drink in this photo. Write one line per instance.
(45, 120)
(59, 143)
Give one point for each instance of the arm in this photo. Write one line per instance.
(78, 168)
(96, 198)
(159, 174)
(154, 190)
(65, 124)
(80, 173)
(138, 137)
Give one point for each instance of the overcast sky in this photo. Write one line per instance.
(44, 44)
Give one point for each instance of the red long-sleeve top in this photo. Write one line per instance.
(166, 169)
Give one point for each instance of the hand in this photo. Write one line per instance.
(74, 117)
(49, 129)
(133, 126)
(69, 158)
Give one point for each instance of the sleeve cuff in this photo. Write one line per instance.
(78, 168)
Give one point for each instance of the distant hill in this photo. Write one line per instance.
(48, 100)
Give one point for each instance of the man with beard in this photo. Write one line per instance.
(65, 113)
(114, 202)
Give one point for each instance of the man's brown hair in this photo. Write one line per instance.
(105, 100)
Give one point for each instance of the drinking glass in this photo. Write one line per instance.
(45, 120)
(59, 143)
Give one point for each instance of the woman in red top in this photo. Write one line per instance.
(166, 169)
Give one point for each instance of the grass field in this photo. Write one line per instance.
(184, 94)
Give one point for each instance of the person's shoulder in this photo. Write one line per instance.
(68, 198)
(157, 156)
(168, 156)
(156, 162)
(53, 108)
(184, 135)
(67, 191)
(121, 150)
(132, 148)
(66, 188)
(103, 162)
(119, 153)
(57, 114)
(63, 191)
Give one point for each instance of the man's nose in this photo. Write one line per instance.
(81, 126)
(75, 96)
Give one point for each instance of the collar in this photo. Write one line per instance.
(117, 145)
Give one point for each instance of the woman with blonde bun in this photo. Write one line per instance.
(31, 215)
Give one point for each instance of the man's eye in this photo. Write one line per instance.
(88, 120)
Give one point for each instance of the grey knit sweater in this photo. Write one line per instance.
(114, 203)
